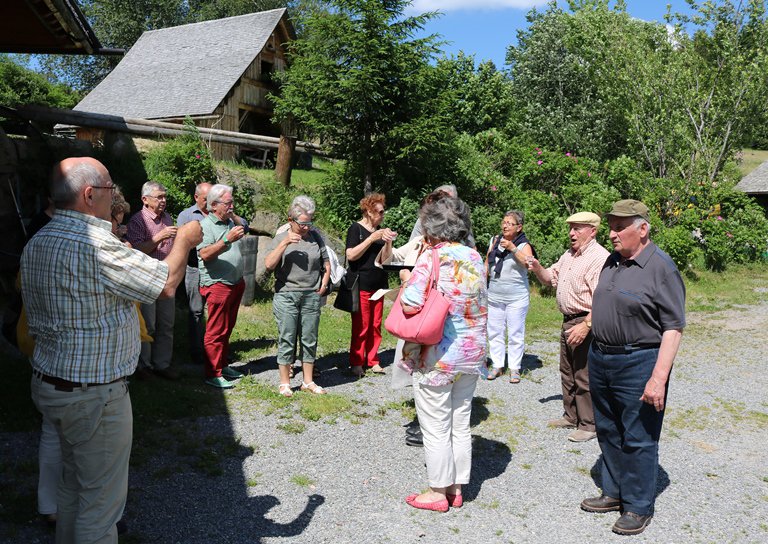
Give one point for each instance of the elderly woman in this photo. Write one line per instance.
(365, 241)
(508, 295)
(302, 277)
(221, 282)
(445, 375)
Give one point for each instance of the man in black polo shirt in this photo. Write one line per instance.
(638, 316)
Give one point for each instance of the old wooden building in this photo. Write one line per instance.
(217, 72)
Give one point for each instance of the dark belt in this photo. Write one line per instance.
(60, 384)
(622, 350)
(571, 317)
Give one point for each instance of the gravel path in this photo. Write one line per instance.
(344, 481)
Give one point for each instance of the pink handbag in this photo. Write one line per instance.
(425, 326)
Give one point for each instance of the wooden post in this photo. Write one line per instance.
(284, 166)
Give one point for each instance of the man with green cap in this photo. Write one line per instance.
(638, 316)
(575, 277)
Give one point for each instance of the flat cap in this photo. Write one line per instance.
(586, 218)
(630, 208)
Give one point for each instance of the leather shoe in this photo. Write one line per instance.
(561, 423)
(581, 436)
(631, 524)
(414, 438)
(168, 373)
(601, 504)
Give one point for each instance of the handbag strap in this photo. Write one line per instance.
(435, 272)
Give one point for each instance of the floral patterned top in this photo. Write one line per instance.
(462, 349)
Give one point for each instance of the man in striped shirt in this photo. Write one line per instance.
(575, 276)
(79, 284)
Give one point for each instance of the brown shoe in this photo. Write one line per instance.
(167, 373)
(561, 423)
(581, 436)
(631, 524)
(601, 504)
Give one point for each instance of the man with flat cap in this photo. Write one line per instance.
(638, 319)
(575, 276)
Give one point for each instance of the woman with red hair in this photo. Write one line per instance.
(364, 242)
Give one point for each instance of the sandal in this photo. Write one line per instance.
(495, 373)
(514, 377)
(376, 369)
(285, 390)
(312, 387)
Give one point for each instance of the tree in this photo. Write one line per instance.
(357, 80)
(20, 85)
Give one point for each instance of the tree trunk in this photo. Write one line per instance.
(284, 166)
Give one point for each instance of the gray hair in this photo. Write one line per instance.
(449, 188)
(65, 187)
(446, 219)
(301, 205)
(148, 187)
(517, 214)
(215, 194)
(639, 221)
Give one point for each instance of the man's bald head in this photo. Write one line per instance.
(71, 176)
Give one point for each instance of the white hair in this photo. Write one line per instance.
(148, 187)
(301, 205)
(66, 186)
(449, 188)
(215, 194)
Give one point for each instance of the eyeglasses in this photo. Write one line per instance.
(379, 212)
(508, 224)
(303, 223)
(110, 187)
(227, 203)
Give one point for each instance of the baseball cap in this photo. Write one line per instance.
(586, 218)
(630, 208)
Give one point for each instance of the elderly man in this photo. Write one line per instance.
(221, 282)
(80, 284)
(151, 231)
(196, 212)
(638, 318)
(575, 276)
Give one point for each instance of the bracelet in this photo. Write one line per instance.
(514, 251)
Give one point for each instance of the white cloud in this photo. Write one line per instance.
(456, 5)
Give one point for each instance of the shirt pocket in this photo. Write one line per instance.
(629, 303)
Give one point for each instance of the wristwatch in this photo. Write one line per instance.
(226, 241)
(588, 323)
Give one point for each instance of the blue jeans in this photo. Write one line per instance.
(627, 428)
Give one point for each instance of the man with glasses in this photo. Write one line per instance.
(151, 231)
(80, 284)
(638, 320)
(575, 277)
(221, 282)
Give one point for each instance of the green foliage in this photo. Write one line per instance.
(358, 81)
(20, 85)
(179, 165)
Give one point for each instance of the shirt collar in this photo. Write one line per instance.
(641, 259)
(583, 249)
(152, 215)
(90, 219)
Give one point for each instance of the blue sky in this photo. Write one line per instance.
(487, 27)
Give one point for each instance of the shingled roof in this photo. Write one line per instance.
(182, 70)
(756, 182)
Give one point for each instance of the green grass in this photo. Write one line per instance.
(301, 480)
(711, 292)
(751, 159)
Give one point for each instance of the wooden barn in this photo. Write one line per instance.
(217, 72)
(755, 184)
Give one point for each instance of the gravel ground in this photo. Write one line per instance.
(345, 481)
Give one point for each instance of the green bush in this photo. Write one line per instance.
(180, 164)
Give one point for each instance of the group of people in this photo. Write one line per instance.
(82, 275)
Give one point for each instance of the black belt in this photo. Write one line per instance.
(571, 317)
(60, 384)
(622, 350)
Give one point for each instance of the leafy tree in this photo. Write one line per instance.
(20, 85)
(359, 80)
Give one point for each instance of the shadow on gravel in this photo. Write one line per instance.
(550, 398)
(662, 480)
(489, 460)
(530, 362)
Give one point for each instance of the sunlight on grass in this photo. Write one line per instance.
(751, 159)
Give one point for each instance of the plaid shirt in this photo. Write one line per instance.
(79, 284)
(144, 225)
(575, 275)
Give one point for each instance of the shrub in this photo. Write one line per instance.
(180, 164)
